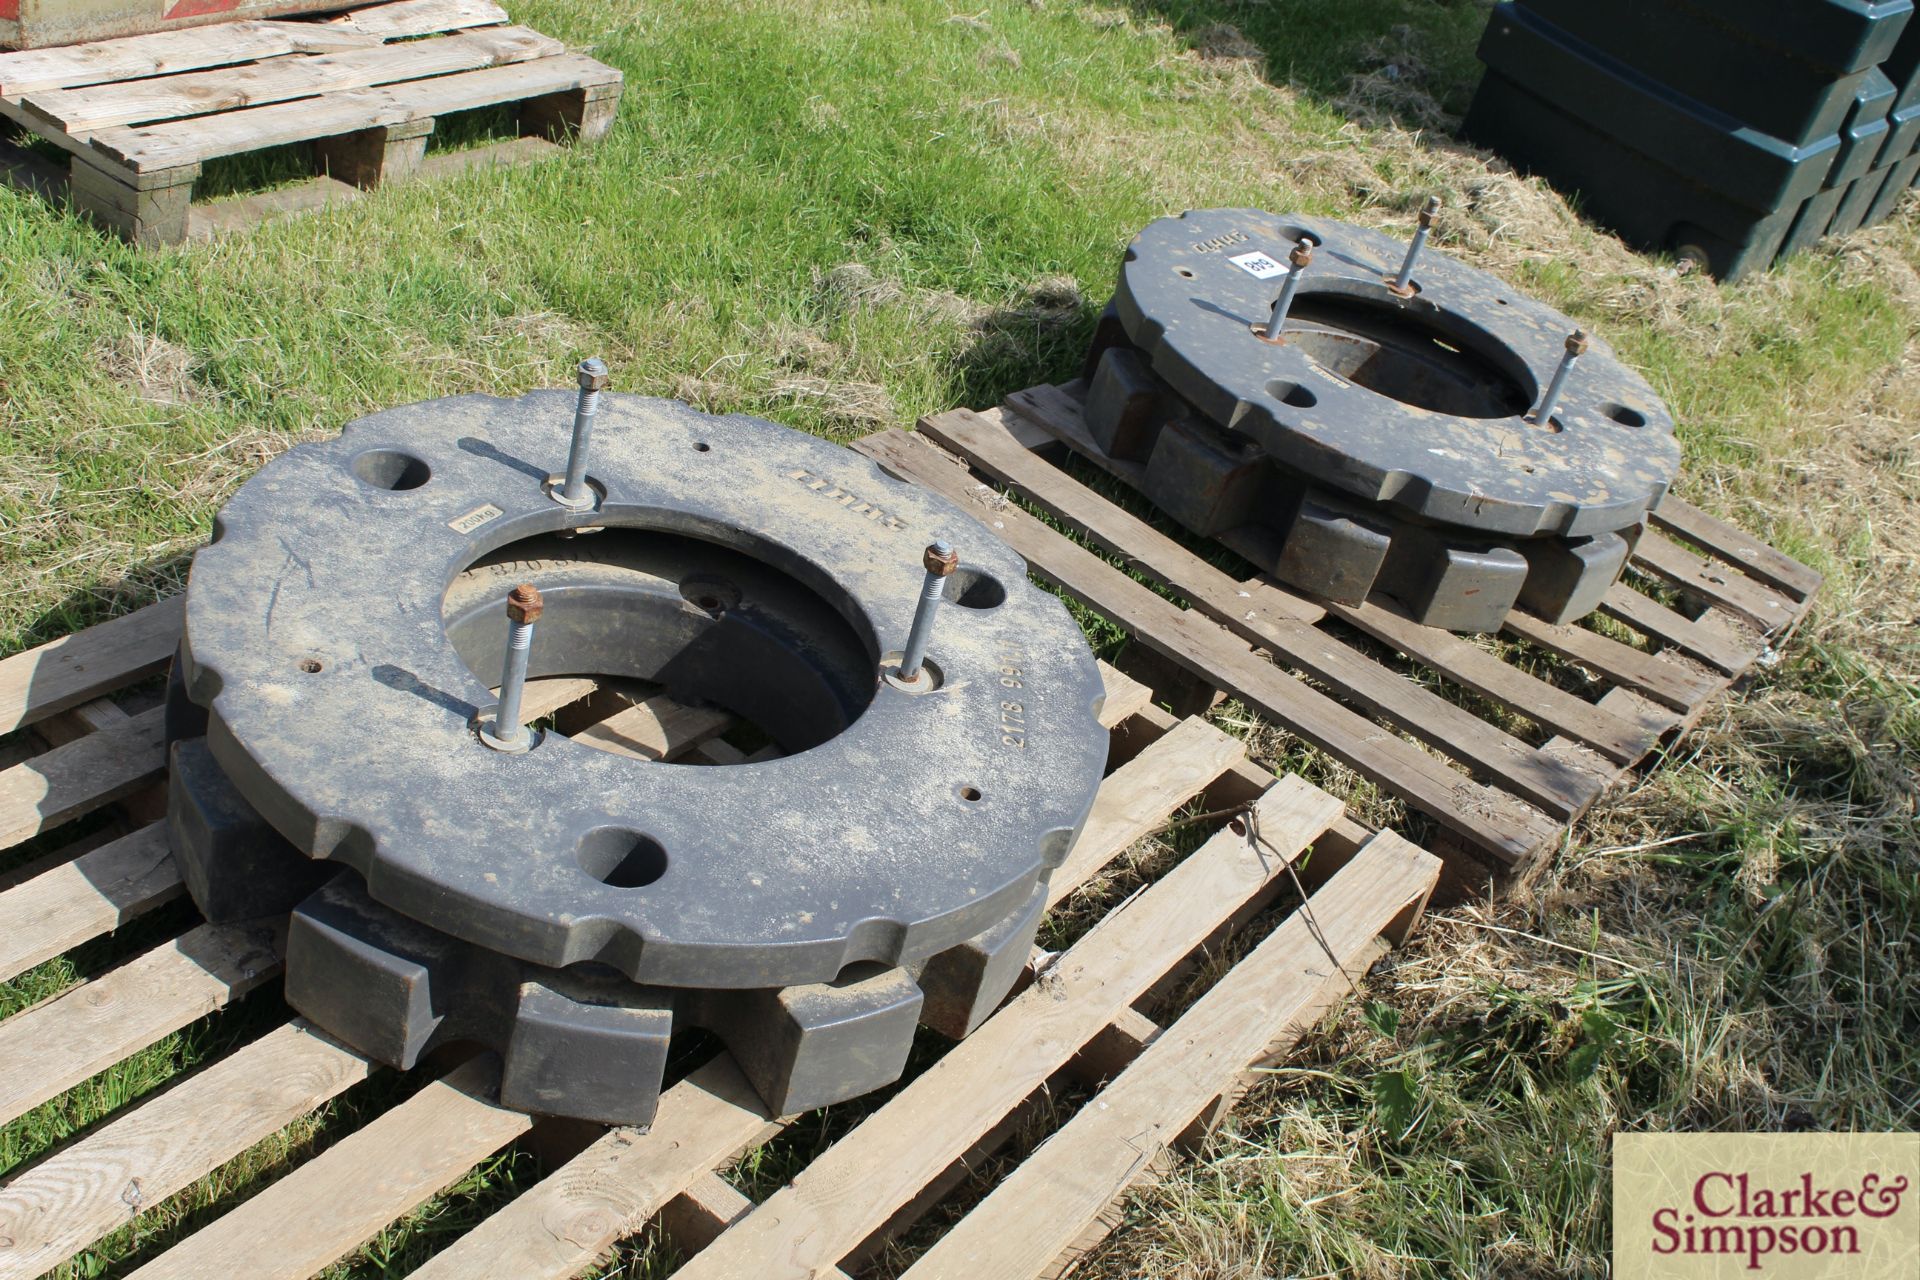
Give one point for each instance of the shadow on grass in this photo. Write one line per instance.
(1411, 61)
(255, 172)
(1042, 337)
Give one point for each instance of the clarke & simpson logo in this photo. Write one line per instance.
(1781, 1205)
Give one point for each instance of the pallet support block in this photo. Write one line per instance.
(373, 157)
(147, 209)
(579, 115)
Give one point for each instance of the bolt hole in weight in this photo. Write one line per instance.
(623, 859)
(972, 589)
(710, 592)
(390, 469)
(311, 666)
(1289, 392)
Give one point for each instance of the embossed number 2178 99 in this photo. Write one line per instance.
(1013, 715)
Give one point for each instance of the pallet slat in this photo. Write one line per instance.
(548, 694)
(414, 18)
(167, 52)
(1505, 827)
(609, 1190)
(95, 893)
(74, 669)
(1738, 547)
(176, 144)
(1668, 683)
(50, 1048)
(1654, 620)
(655, 728)
(1715, 583)
(852, 1188)
(94, 107)
(1125, 697)
(139, 1159)
(132, 57)
(332, 1204)
(1471, 667)
(697, 1215)
(89, 717)
(1263, 1004)
(81, 776)
(1139, 795)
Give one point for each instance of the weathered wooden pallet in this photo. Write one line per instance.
(137, 117)
(1355, 681)
(1083, 1023)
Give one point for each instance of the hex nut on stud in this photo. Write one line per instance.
(1402, 284)
(524, 604)
(1576, 347)
(506, 732)
(572, 491)
(941, 564)
(939, 561)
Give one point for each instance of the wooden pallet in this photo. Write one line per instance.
(1354, 681)
(1083, 1023)
(137, 117)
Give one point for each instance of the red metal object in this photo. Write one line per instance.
(41, 24)
(200, 8)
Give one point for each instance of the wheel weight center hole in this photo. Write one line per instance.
(1410, 358)
(667, 648)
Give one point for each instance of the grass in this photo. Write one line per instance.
(842, 215)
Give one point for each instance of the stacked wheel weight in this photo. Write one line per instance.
(572, 908)
(1413, 426)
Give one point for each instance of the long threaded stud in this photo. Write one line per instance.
(940, 561)
(1277, 322)
(1403, 283)
(523, 610)
(1576, 347)
(593, 380)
